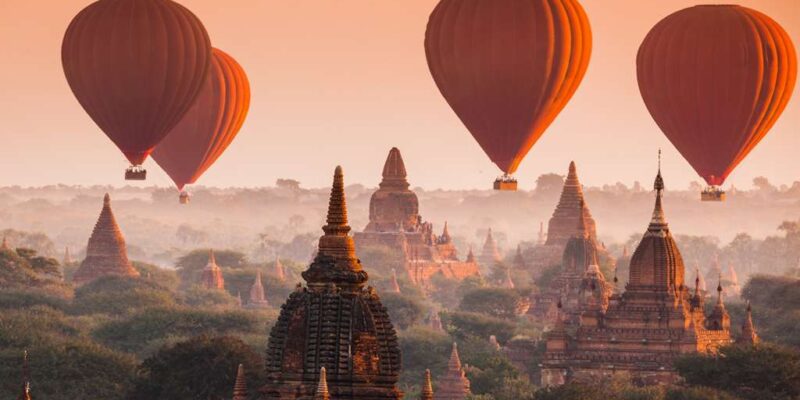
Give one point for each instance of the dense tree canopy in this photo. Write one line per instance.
(120, 295)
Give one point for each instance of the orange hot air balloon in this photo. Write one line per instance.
(209, 126)
(715, 78)
(507, 68)
(136, 66)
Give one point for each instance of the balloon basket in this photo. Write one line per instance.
(183, 198)
(505, 183)
(712, 193)
(135, 173)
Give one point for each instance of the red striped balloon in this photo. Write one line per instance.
(209, 127)
(715, 78)
(136, 67)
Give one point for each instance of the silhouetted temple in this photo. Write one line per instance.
(563, 224)
(211, 278)
(644, 329)
(579, 284)
(336, 322)
(394, 222)
(106, 254)
(453, 385)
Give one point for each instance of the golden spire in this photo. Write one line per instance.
(455, 361)
(322, 387)
(240, 387)
(427, 387)
(749, 335)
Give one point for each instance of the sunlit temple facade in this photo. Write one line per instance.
(394, 222)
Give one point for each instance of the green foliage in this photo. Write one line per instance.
(115, 295)
(67, 369)
(618, 388)
(23, 328)
(496, 302)
(133, 333)
(488, 369)
(11, 299)
(404, 311)
(422, 349)
(200, 368)
(764, 372)
(198, 296)
(776, 307)
(165, 277)
(39, 242)
(381, 259)
(697, 393)
(22, 268)
(467, 325)
(240, 280)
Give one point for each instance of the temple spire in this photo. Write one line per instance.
(25, 393)
(427, 387)
(749, 335)
(336, 262)
(394, 171)
(280, 274)
(542, 235)
(658, 224)
(470, 255)
(322, 387)
(211, 277)
(455, 360)
(240, 387)
(258, 299)
(4, 245)
(446, 234)
(395, 285)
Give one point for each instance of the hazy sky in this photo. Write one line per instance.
(341, 82)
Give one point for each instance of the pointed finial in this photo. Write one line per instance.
(26, 378)
(106, 200)
(240, 387)
(427, 387)
(394, 171)
(212, 259)
(659, 183)
(322, 387)
(573, 170)
(337, 207)
(455, 361)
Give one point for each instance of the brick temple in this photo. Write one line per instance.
(394, 222)
(453, 385)
(337, 322)
(106, 254)
(211, 278)
(642, 330)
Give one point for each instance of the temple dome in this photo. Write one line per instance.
(334, 322)
(656, 265)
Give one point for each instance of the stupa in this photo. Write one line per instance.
(644, 329)
(394, 222)
(106, 254)
(211, 277)
(427, 387)
(257, 297)
(748, 335)
(336, 322)
(453, 385)
(490, 254)
(240, 387)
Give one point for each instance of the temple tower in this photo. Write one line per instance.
(393, 206)
(211, 277)
(571, 206)
(257, 297)
(490, 255)
(322, 392)
(240, 387)
(427, 387)
(280, 273)
(335, 322)
(67, 257)
(454, 385)
(395, 286)
(748, 335)
(106, 254)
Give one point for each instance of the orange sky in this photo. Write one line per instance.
(342, 81)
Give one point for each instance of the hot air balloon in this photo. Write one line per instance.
(209, 126)
(715, 78)
(136, 67)
(507, 68)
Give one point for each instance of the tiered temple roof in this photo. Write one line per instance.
(427, 387)
(211, 277)
(322, 392)
(571, 207)
(645, 328)
(106, 254)
(334, 322)
(394, 222)
(454, 385)
(257, 297)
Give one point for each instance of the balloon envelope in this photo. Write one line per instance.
(210, 125)
(508, 67)
(715, 78)
(135, 66)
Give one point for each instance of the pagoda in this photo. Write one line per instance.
(454, 385)
(279, 272)
(394, 222)
(257, 297)
(579, 281)
(427, 387)
(240, 386)
(748, 335)
(211, 277)
(490, 255)
(106, 254)
(395, 286)
(336, 322)
(561, 228)
(643, 330)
